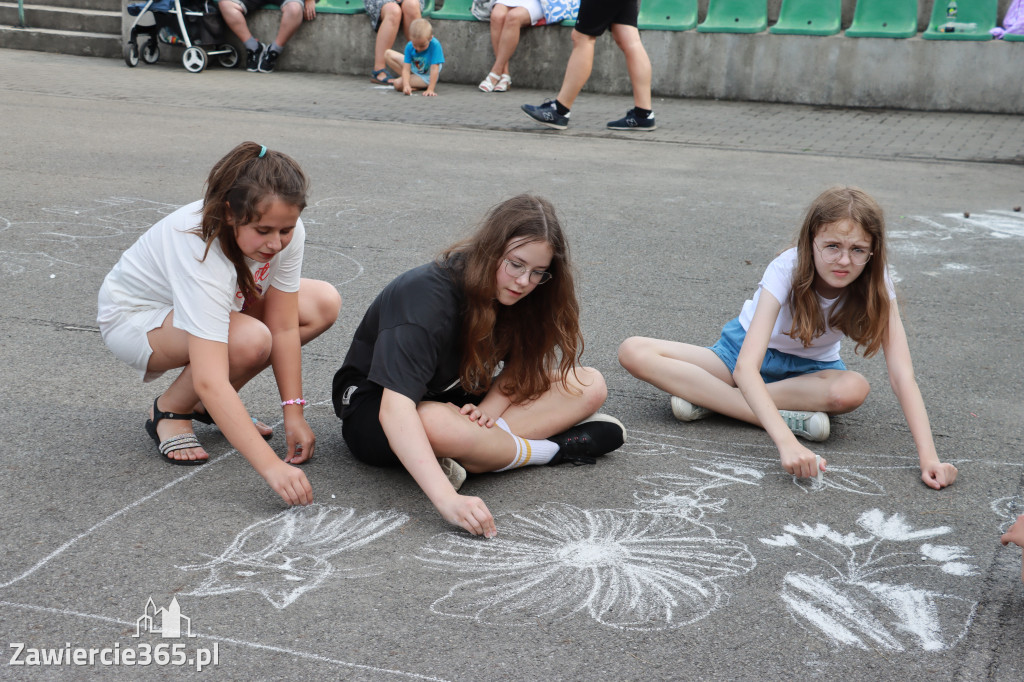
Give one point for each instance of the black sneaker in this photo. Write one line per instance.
(547, 114)
(252, 58)
(633, 122)
(591, 438)
(268, 61)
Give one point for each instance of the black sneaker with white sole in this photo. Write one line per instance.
(597, 435)
(268, 61)
(252, 58)
(633, 121)
(547, 114)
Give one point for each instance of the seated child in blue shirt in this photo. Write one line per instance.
(421, 65)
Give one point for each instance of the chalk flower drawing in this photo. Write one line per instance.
(287, 554)
(691, 496)
(854, 607)
(627, 569)
(709, 459)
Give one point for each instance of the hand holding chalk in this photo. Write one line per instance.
(817, 463)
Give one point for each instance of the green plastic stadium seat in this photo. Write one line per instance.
(456, 10)
(735, 16)
(979, 12)
(884, 19)
(1013, 37)
(667, 15)
(809, 18)
(340, 7)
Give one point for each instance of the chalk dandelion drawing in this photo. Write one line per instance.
(628, 569)
(855, 604)
(286, 555)
(762, 460)
(693, 496)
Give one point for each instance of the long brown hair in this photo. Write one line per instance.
(539, 335)
(862, 311)
(236, 190)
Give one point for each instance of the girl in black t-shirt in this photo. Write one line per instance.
(487, 336)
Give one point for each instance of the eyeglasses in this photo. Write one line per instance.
(831, 253)
(515, 270)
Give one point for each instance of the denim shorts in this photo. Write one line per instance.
(776, 366)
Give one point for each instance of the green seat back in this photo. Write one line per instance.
(979, 12)
(667, 15)
(340, 7)
(458, 10)
(884, 19)
(735, 16)
(809, 17)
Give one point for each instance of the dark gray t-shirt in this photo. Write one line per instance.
(408, 340)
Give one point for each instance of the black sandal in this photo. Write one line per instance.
(182, 441)
(205, 418)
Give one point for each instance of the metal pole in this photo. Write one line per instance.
(21, 14)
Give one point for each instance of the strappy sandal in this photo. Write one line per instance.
(182, 441)
(503, 83)
(205, 418)
(381, 76)
(489, 84)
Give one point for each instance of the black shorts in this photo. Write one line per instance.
(361, 429)
(596, 16)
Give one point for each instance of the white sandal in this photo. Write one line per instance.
(503, 83)
(489, 84)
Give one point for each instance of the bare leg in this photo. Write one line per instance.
(517, 19)
(234, 18)
(480, 449)
(577, 71)
(698, 375)
(638, 64)
(387, 32)
(291, 19)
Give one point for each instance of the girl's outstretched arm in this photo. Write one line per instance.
(934, 473)
(796, 459)
(209, 360)
(408, 439)
(281, 315)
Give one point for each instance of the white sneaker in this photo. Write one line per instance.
(454, 471)
(685, 411)
(810, 425)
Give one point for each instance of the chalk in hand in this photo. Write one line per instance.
(817, 463)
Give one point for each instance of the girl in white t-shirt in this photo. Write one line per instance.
(783, 349)
(215, 288)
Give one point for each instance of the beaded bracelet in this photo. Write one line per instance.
(298, 401)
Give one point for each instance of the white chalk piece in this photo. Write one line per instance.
(333, 496)
(53, 276)
(817, 463)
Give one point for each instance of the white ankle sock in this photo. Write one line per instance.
(528, 451)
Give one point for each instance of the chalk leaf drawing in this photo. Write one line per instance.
(628, 569)
(749, 462)
(288, 554)
(1008, 509)
(853, 603)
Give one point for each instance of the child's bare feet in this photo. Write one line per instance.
(203, 416)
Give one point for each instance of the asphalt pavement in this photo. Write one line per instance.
(687, 554)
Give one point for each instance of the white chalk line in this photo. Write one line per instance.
(120, 512)
(231, 640)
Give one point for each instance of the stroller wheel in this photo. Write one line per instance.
(150, 52)
(230, 57)
(131, 54)
(194, 59)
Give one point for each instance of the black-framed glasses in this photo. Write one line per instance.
(831, 253)
(515, 270)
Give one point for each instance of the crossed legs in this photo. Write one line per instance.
(481, 449)
(698, 375)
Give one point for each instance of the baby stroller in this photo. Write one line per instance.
(190, 23)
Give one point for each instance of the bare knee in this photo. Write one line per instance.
(582, 40)
(632, 352)
(437, 423)
(848, 393)
(291, 12)
(249, 343)
(595, 390)
(325, 305)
